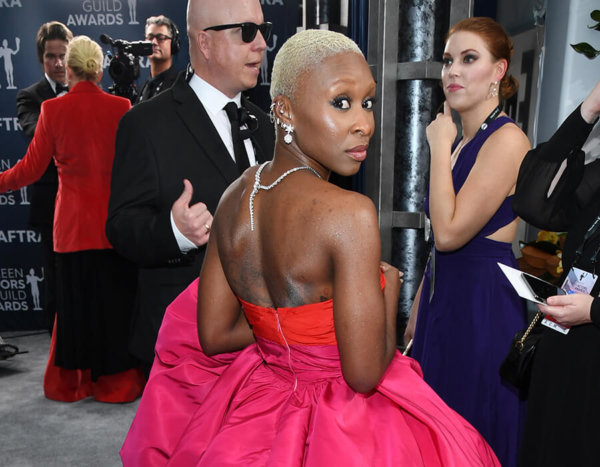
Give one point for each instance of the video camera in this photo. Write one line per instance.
(124, 66)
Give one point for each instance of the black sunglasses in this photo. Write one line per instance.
(248, 30)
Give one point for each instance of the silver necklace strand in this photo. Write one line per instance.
(258, 186)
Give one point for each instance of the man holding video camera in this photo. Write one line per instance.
(164, 35)
(175, 156)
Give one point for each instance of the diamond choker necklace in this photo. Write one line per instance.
(258, 186)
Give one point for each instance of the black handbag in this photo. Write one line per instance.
(516, 367)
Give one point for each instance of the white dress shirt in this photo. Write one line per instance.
(213, 102)
(53, 85)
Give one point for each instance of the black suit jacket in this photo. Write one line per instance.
(42, 193)
(159, 143)
(166, 79)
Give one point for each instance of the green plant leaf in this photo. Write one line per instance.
(585, 49)
(595, 15)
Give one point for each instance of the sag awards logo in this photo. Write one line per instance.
(264, 66)
(105, 13)
(6, 54)
(19, 236)
(10, 3)
(9, 124)
(16, 286)
(12, 198)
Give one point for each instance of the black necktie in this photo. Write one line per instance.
(61, 88)
(151, 89)
(147, 91)
(239, 150)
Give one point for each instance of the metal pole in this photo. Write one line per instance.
(422, 26)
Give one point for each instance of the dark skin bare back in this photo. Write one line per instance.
(312, 241)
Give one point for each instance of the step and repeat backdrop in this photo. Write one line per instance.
(21, 270)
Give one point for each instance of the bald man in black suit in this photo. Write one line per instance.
(175, 156)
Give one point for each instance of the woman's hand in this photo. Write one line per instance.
(393, 279)
(391, 292)
(441, 133)
(569, 310)
(590, 109)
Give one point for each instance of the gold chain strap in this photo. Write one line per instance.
(534, 321)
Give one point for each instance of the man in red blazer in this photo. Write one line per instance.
(51, 41)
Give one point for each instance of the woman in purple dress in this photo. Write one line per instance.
(465, 312)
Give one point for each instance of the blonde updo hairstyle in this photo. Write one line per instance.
(84, 57)
(301, 53)
(498, 43)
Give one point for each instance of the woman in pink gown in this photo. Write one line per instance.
(295, 312)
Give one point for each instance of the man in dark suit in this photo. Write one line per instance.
(51, 41)
(175, 156)
(164, 35)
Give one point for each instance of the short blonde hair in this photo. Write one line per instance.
(84, 57)
(302, 52)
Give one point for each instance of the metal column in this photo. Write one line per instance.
(406, 37)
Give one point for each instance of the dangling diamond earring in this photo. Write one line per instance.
(289, 129)
(494, 92)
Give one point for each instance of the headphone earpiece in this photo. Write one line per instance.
(175, 45)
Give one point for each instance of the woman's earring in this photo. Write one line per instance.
(289, 129)
(272, 112)
(494, 91)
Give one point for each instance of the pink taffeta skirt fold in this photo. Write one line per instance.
(250, 408)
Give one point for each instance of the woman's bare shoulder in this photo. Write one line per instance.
(343, 211)
(509, 142)
(347, 202)
(511, 137)
(231, 202)
(237, 188)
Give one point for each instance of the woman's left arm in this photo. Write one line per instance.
(456, 219)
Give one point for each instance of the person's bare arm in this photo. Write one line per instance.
(222, 326)
(456, 219)
(590, 108)
(365, 318)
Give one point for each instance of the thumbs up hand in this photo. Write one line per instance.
(193, 221)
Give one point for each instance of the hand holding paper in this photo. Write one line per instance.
(569, 310)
